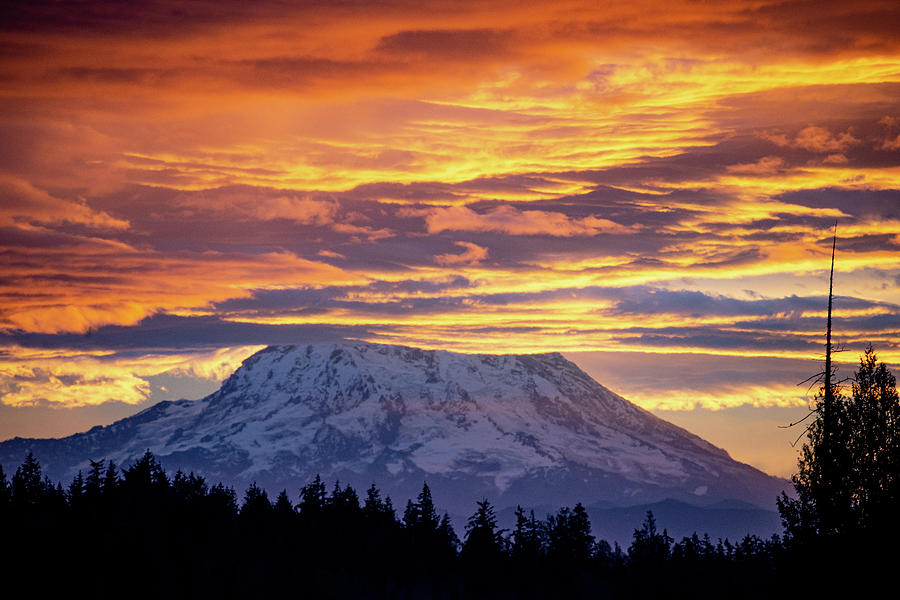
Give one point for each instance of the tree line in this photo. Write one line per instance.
(139, 532)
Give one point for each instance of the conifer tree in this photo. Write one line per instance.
(873, 424)
(190, 488)
(343, 501)
(649, 548)
(93, 484)
(283, 507)
(569, 537)
(822, 506)
(528, 538)
(256, 502)
(432, 535)
(424, 515)
(222, 501)
(860, 492)
(28, 487)
(484, 542)
(110, 480)
(76, 490)
(312, 499)
(448, 542)
(373, 504)
(145, 478)
(4, 489)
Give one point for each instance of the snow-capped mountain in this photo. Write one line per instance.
(529, 429)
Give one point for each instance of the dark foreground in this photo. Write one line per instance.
(141, 533)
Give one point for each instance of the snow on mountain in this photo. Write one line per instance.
(529, 429)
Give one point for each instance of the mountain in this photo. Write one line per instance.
(530, 429)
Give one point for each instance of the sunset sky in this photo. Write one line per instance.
(648, 187)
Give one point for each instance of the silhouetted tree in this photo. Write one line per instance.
(179, 538)
(421, 516)
(448, 541)
(222, 501)
(861, 493)
(76, 490)
(528, 538)
(93, 483)
(343, 502)
(312, 500)
(873, 432)
(377, 510)
(432, 537)
(28, 487)
(189, 488)
(256, 504)
(483, 542)
(110, 480)
(4, 489)
(284, 509)
(649, 547)
(145, 480)
(569, 538)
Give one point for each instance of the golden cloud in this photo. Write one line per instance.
(70, 379)
(512, 221)
(473, 254)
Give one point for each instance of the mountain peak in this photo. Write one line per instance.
(516, 428)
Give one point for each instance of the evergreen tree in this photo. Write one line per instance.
(379, 516)
(873, 424)
(649, 547)
(608, 559)
(528, 538)
(4, 489)
(422, 516)
(222, 501)
(312, 500)
(28, 487)
(93, 484)
(374, 508)
(145, 479)
(110, 483)
(569, 538)
(343, 501)
(189, 488)
(283, 507)
(256, 504)
(484, 542)
(410, 516)
(448, 542)
(860, 491)
(77, 490)
(429, 534)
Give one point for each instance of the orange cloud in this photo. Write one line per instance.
(79, 289)
(23, 205)
(816, 139)
(891, 144)
(512, 221)
(473, 254)
(768, 165)
(819, 139)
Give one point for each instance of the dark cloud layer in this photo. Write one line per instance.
(174, 333)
